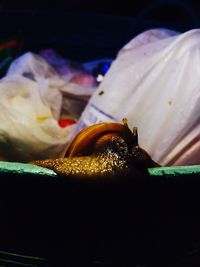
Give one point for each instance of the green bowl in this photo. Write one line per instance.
(13, 168)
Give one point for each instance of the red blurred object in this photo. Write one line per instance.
(84, 80)
(66, 122)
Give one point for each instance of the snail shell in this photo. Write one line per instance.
(98, 136)
(100, 151)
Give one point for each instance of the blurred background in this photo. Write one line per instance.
(85, 30)
(124, 8)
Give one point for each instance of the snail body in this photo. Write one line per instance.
(100, 151)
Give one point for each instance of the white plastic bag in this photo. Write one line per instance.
(60, 92)
(33, 96)
(28, 129)
(35, 68)
(155, 83)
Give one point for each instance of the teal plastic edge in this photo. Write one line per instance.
(30, 169)
(175, 171)
(24, 168)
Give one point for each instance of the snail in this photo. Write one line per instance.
(104, 150)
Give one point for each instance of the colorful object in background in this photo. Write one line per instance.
(98, 68)
(88, 74)
(8, 51)
(103, 67)
(66, 122)
(85, 80)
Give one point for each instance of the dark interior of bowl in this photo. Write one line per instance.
(144, 222)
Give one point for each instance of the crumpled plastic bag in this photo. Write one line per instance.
(28, 129)
(35, 68)
(58, 91)
(82, 79)
(155, 83)
(33, 97)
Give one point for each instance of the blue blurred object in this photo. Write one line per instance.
(100, 65)
(98, 68)
(104, 67)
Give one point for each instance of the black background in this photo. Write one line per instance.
(87, 30)
(122, 8)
